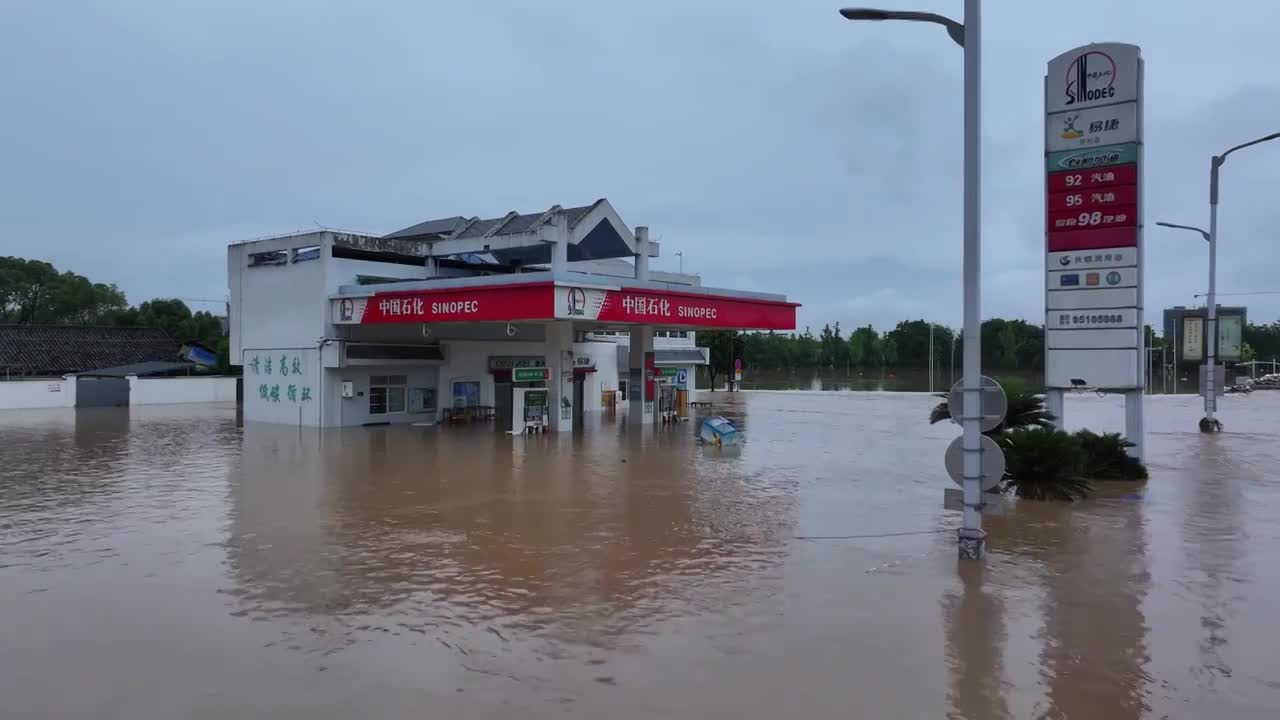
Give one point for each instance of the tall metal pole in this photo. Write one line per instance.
(953, 358)
(1210, 392)
(972, 539)
(931, 358)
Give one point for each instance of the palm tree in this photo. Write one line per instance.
(1026, 411)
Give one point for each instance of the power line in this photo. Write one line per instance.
(1259, 292)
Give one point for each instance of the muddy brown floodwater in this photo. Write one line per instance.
(163, 563)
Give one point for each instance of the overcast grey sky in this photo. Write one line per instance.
(779, 146)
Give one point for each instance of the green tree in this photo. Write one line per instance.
(863, 344)
(1264, 339)
(1012, 344)
(807, 350)
(888, 352)
(34, 292)
(832, 351)
(721, 345)
(912, 338)
(169, 314)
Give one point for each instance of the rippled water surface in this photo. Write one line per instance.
(163, 563)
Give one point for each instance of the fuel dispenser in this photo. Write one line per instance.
(529, 401)
(666, 392)
(667, 402)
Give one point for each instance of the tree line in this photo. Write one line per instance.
(33, 292)
(1006, 345)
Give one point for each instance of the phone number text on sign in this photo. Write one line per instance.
(1103, 319)
(1117, 318)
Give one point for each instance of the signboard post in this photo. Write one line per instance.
(1093, 227)
(993, 407)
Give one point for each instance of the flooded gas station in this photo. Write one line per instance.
(165, 562)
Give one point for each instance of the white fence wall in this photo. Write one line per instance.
(165, 391)
(47, 393)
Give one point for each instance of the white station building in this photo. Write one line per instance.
(530, 321)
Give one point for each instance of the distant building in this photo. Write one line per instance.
(1185, 327)
(57, 350)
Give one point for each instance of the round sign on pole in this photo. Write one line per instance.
(995, 404)
(992, 462)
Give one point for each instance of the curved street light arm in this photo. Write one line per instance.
(1203, 233)
(1217, 161)
(954, 29)
(1223, 157)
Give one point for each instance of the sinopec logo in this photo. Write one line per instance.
(577, 300)
(1091, 77)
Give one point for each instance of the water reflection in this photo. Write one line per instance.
(1215, 544)
(1090, 564)
(973, 617)
(449, 530)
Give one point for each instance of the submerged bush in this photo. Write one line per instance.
(1044, 464)
(1106, 457)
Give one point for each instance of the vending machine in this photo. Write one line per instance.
(529, 412)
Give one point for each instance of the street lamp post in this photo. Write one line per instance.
(972, 539)
(1209, 423)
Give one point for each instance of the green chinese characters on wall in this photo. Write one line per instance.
(283, 366)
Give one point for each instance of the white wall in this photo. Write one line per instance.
(355, 410)
(163, 391)
(605, 355)
(277, 306)
(467, 360)
(266, 390)
(47, 393)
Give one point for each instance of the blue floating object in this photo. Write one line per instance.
(716, 430)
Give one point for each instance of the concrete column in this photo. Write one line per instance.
(641, 343)
(1133, 429)
(642, 257)
(560, 385)
(1053, 402)
(560, 248)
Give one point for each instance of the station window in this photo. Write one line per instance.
(272, 257)
(303, 254)
(387, 394)
(466, 393)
